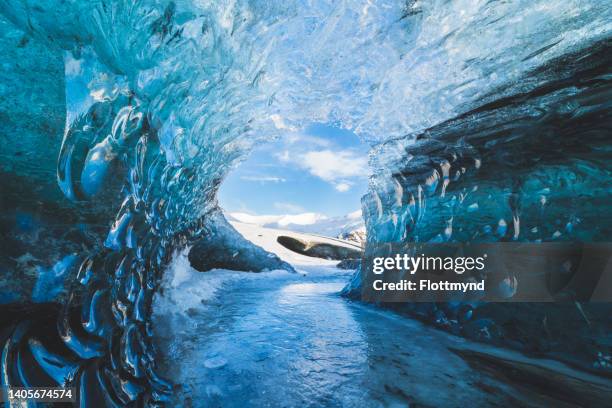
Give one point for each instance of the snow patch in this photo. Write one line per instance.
(308, 222)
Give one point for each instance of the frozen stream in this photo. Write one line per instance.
(284, 340)
(277, 339)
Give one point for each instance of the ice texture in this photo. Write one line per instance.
(529, 163)
(222, 247)
(162, 98)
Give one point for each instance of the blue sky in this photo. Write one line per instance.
(320, 169)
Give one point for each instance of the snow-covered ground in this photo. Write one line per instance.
(312, 223)
(184, 287)
(267, 239)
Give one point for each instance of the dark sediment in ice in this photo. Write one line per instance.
(552, 382)
(318, 248)
(349, 263)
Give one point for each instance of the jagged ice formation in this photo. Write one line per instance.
(162, 98)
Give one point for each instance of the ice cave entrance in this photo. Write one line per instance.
(308, 181)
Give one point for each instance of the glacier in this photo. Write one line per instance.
(120, 119)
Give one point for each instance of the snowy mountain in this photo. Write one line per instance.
(350, 226)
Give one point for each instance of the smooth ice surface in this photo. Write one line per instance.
(280, 339)
(232, 339)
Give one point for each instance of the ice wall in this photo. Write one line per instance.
(531, 166)
(162, 98)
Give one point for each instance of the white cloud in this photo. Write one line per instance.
(307, 140)
(341, 167)
(309, 222)
(335, 165)
(301, 219)
(253, 219)
(308, 218)
(264, 179)
(356, 215)
(342, 187)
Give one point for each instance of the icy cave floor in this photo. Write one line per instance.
(278, 339)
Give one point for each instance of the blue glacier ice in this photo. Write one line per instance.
(487, 121)
(51, 281)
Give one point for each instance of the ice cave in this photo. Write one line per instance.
(485, 121)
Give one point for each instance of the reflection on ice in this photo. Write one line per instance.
(279, 339)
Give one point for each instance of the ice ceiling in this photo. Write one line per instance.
(162, 98)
